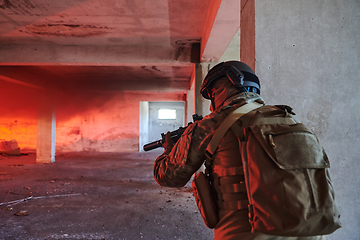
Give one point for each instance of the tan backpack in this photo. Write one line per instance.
(288, 184)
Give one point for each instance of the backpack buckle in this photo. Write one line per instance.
(208, 155)
(251, 212)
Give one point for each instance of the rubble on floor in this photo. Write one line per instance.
(9, 148)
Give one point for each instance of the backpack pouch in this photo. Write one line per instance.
(289, 187)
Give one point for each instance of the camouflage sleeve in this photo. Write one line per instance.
(175, 169)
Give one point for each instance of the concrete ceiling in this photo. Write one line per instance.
(112, 44)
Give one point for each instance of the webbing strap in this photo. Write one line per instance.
(274, 120)
(226, 124)
(231, 179)
(228, 171)
(231, 197)
(233, 188)
(233, 205)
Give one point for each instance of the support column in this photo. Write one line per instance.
(143, 125)
(202, 105)
(247, 32)
(190, 101)
(46, 128)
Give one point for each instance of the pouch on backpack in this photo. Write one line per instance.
(288, 183)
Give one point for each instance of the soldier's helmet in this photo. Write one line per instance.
(238, 73)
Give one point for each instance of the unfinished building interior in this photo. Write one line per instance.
(82, 84)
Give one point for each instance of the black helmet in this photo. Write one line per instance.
(239, 74)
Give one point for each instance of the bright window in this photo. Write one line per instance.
(167, 114)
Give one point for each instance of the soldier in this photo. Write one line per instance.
(228, 85)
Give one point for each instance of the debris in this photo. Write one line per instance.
(10, 148)
(61, 195)
(40, 197)
(15, 165)
(16, 201)
(10, 209)
(22, 213)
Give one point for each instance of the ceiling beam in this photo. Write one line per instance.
(222, 24)
(47, 53)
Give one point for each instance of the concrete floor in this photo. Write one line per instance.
(94, 196)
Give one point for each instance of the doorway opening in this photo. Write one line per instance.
(157, 118)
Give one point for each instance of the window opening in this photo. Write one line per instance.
(165, 114)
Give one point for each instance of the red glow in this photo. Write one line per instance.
(86, 121)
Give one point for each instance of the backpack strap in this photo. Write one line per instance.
(224, 127)
(228, 198)
(277, 114)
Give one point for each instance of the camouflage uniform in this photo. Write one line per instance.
(187, 155)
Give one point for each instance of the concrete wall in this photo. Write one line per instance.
(85, 121)
(18, 113)
(308, 56)
(107, 122)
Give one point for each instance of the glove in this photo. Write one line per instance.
(168, 143)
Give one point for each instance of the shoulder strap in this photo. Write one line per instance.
(226, 124)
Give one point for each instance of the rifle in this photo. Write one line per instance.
(175, 135)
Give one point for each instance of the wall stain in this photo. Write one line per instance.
(7, 4)
(153, 68)
(144, 67)
(178, 52)
(67, 30)
(74, 131)
(18, 7)
(183, 42)
(319, 117)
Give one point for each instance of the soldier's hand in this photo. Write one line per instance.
(168, 143)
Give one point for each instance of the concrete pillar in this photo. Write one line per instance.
(190, 101)
(143, 125)
(247, 32)
(202, 105)
(232, 52)
(46, 126)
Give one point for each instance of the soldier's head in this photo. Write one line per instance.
(227, 79)
(241, 76)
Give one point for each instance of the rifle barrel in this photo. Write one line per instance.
(175, 136)
(153, 145)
